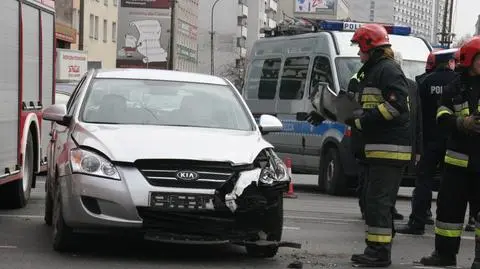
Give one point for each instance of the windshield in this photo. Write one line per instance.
(347, 66)
(156, 102)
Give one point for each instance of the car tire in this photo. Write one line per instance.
(17, 193)
(61, 233)
(273, 228)
(48, 214)
(331, 177)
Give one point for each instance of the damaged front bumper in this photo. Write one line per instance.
(237, 214)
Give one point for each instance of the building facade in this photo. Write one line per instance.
(186, 35)
(230, 27)
(65, 33)
(418, 14)
(425, 17)
(372, 11)
(261, 15)
(311, 9)
(98, 32)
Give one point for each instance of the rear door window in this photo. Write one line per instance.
(294, 78)
(263, 78)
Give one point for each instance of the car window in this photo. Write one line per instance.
(263, 78)
(155, 102)
(321, 72)
(294, 78)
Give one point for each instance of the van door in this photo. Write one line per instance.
(321, 72)
(293, 86)
(261, 85)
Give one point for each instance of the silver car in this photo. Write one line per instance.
(172, 156)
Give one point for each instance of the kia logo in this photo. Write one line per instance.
(187, 175)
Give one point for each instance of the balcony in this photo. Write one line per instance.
(241, 52)
(242, 10)
(271, 6)
(271, 23)
(242, 31)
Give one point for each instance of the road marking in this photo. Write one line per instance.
(21, 216)
(323, 219)
(333, 222)
(291, 228)
(433, 236)
(11, 247)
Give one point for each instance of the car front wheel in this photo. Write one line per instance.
(62, 234)
(273, 228)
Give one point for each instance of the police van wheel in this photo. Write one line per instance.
(331, 177)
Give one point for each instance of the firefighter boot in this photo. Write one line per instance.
(375, 255)
(439, 260)
(412, 227)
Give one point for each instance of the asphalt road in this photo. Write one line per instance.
(329, 229)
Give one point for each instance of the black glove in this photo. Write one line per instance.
(350, 122)
(314, 118)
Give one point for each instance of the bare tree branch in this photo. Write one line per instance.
(234, 74)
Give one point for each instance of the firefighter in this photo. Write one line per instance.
(471, 218)
(384, 127)
(459, 116)
(430, 90)
(429, 67)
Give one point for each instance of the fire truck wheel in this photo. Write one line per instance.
(62, 234)
(17, 193)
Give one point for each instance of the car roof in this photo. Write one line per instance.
(158, 74)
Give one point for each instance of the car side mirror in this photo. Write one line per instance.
(57, 113)
(269, 123)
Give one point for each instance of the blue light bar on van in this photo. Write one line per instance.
(352, 26)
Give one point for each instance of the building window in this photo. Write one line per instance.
(96, 27)
(115, 2)
(105, 31)
(105, 3)
(114, 31)
(92, 25)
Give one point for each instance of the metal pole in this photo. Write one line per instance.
(172, 35)
(212, 59)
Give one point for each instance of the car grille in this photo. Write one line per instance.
(212, 175)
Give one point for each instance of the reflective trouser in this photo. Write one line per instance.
(457, 186)
(381, 187)
(422, 194)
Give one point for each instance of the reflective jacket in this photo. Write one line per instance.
(461, 98)
(385, 123)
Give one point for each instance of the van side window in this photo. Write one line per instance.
(294, 78)
(262, 79)
(321, 72)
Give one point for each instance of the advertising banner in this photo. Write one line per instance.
(145, 4)
(143, 35)
(315, 6)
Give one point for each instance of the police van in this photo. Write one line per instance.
(283, 69)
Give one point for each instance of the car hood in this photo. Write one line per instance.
(127, 143)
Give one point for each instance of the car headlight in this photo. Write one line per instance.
(275, 171)
(87, 162)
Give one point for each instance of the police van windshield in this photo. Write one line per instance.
(347, 66)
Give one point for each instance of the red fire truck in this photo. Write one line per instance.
(27, 83)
